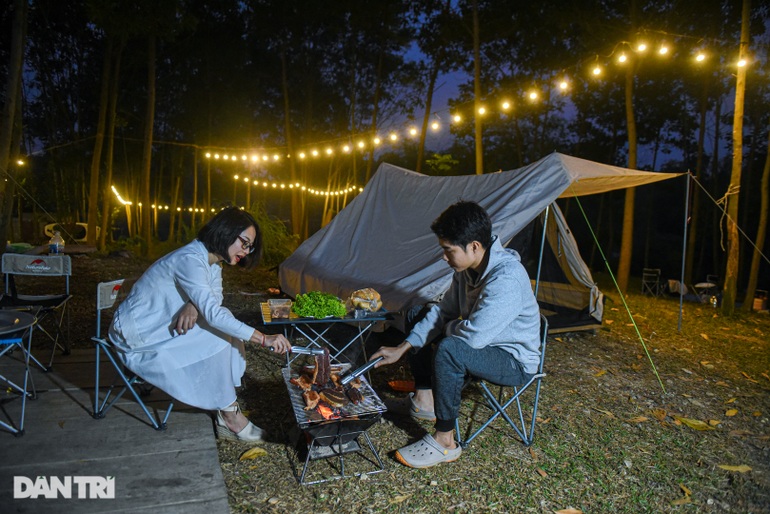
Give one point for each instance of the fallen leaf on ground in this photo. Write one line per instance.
(532, 452)
(605, 412)
(609, 321)
(766, 376)
(685, 490)
(714, 422)
(707, 365)
(731, 400)
(748, 377)
(542, 472)
(638, 419)
(253, 453)
(743, 468)
(704, 336)
(600, 373)
(400, 498)
(695, 424)
(731, 412)
(658, 414)
(681, 501)
(722, 383)
(568, 511)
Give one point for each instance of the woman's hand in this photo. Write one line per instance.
(187, 318)
(390, 354)
(277, 342)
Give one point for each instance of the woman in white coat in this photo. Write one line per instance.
(174, 332)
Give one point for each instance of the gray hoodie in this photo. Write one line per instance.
(498, 308)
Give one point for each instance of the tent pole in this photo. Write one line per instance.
(684, 248)
(542, 247)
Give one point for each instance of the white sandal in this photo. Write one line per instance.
(250, 433)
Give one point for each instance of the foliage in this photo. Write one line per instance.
(277, 242)
(315, 304)
(440, 164)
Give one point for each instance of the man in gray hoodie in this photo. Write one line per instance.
(487, 325)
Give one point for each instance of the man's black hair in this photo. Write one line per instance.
(462, 223)
(223, 230)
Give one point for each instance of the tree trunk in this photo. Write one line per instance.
(296, 205)
(375, 111)
(692, 233)
(146, 228)
(107, 191)
(733, 192)
(477, 90)
(425, 120)
(759, 243)
(626, 243)
(12, 96)
(96, 158)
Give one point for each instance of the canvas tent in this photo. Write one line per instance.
(566, 291)
(382, 239)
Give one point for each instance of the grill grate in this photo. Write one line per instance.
(370, 405)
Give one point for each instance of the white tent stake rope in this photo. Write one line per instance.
(622, 296)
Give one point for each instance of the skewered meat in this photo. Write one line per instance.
(334, 397)
(323, 368)
(311, 399)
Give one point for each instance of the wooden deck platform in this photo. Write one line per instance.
(176, 470)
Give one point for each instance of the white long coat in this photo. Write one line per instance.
(200, 368)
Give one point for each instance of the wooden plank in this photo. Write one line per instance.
(169, 482)
(176, 470)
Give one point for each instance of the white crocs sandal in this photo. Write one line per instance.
(426, 453)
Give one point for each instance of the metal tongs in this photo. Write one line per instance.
(303, 350)
(359, 371)
(306, 350)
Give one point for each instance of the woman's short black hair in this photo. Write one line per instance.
(462, 223)
(223, 230)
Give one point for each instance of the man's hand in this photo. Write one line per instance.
(187, 318)
(390, 354)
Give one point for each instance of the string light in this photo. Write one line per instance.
(120, 198)
(663, 48)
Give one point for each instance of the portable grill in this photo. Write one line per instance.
(338, 435)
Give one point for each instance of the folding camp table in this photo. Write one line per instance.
(316, 330)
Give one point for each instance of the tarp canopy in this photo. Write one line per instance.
(382, 239)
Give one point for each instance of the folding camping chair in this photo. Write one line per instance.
(651, 281)
(51, 308)
(106, 295)
(499, 405)
(15, 327)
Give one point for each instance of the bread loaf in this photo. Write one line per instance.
(367, 299)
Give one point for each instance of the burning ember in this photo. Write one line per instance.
(323, 394)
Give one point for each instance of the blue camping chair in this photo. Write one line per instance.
(498, 405)
(15, 328)
(106, 296)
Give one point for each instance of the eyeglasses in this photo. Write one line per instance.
(246, 244)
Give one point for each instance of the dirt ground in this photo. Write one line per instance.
(614, 433)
